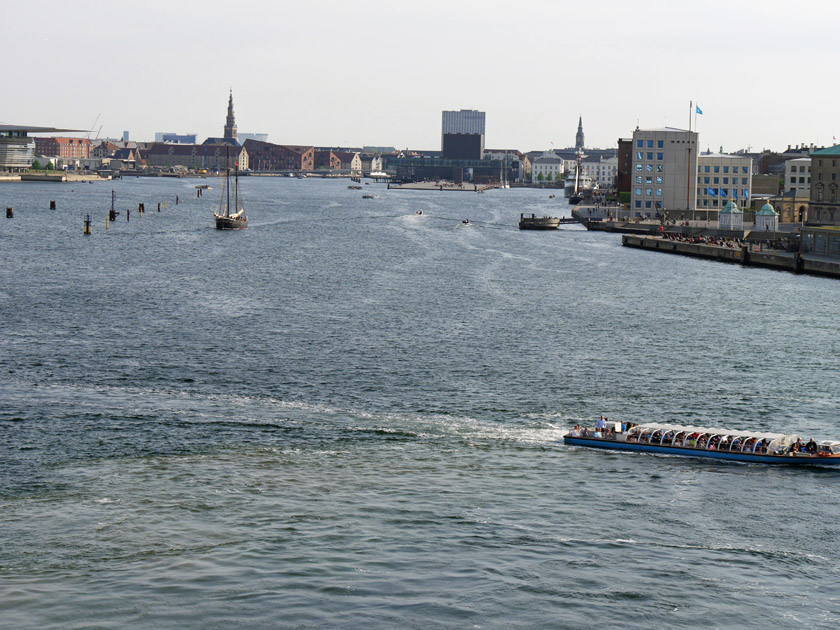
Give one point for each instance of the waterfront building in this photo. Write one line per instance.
(730, 217)
(462, 134)
(350, 161)
(230, 121)
(102, 150)
(511, 158)
(825, 179)
(579, 135)
(767, 219)
(371, 163)
(604, 172)
(664, 163)
(211, 157)
(327, 159)
(547, 168)
(265, 156)
(63, 147)
(798, 176)
(721, 178)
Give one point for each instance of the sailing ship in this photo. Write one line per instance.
(225, 219)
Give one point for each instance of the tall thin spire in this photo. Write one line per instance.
(579, 135)
(230, 122)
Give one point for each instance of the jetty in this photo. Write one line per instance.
(746, 252)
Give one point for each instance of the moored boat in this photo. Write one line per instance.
(715, 443)
(534, 222)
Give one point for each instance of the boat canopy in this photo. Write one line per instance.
(650, 427)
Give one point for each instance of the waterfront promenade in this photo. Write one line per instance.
(747, 253)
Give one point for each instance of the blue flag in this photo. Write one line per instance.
(711, 191)
(699, 111)
(722, 192)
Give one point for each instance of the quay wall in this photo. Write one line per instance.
(783, 261)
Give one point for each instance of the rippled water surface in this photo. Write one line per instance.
(348, 415)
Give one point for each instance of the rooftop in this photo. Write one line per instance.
(835, 150)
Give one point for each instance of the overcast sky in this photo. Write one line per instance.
(380, 72)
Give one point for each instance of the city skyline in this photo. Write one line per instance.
(380, 73)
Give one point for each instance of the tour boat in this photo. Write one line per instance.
(726, 444)
(225, 219)
(538, 223)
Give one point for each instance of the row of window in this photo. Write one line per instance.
(659, 144)
(659, 155)
(716, 180)
(648, 204)
(833, 162)
(648, 192)
(717, 169)
(648, 168)
(819, 176)
(724, 192)
(649, 180)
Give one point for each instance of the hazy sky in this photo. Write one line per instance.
(380, 72)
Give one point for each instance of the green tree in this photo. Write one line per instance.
(540, 177)
(49, 166)
(558, 178)
(36, 165)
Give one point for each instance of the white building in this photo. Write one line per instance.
(722, 178)
(603, 172)
(767, 219)
(663, 166)
(549, 165)
(730, 217)
(798, 176)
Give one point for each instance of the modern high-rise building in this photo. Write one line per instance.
(663, 173)
(230, 121)
(462, 134)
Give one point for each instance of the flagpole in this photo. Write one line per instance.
(688, 167)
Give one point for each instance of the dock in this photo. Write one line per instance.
(749, 254)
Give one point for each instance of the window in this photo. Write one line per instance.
(648, 192)
(658, 192)
(650, 155)
(743, 181)
(660, 144)
(660, 155)
(638, 155)
(647, 204)
(725, 169)
(638, 168)
(648, 180)
(705, 169)
(717, 169)
(725, 180)
(649, 168)
(658, 168)
(659, 180)
(705, 180)
(832, 194)
(743, 169)
(716, 180)
(638, 192)
(638, 204)
(638, 179)
(650, 144)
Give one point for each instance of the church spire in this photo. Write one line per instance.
(579, 135)
(230, 122)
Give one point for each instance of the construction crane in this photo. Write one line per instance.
(94, 125)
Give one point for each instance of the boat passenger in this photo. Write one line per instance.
(811, 446)
(576, 431)
(601, 424)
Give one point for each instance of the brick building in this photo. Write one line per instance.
(213, 157)
(265, 156)
(63, 147)
(327, 159)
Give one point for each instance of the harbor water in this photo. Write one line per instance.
(350, 414)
